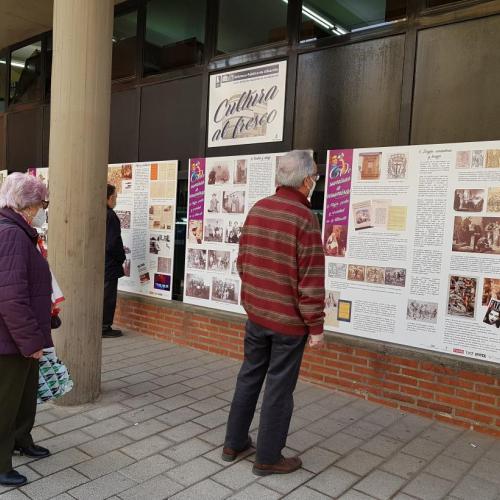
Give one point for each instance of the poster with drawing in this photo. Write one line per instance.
(146, 203)
(221, 192)
(247, 105)
(412, 244)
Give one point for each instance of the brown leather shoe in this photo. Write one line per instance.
(283, 466)
(229, 455)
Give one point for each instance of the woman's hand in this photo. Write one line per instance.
(37, 354)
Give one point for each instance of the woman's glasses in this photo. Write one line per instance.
(45, 204)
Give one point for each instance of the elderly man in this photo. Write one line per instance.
(281, 265)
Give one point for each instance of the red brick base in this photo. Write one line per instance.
(456, 391)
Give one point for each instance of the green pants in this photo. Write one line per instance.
(18, 394)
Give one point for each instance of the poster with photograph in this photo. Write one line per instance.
(3, 176)
(221, 192)
(146, 203)
(43, 175)
(412, 245)
(247, 106)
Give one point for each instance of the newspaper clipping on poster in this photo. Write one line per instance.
(412, 243)
(146, 203)
(247, 105)
(221, 192)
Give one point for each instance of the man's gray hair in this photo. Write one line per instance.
(294, 167)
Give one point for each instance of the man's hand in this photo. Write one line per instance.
(316, 341)
(37, 354)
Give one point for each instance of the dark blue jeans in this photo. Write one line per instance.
(277, 356)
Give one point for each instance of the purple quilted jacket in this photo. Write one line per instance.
(25, 288)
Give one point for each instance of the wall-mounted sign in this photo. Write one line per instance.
(247, 105)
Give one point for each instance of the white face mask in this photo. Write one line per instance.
(39, 219)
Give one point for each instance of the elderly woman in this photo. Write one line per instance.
(25, 317)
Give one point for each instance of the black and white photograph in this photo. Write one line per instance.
(214, 203)
(233, 202)
(124, 216)
(469, 200)
(477, 159)
(463, 159)
(196, 259)
(418, 310)
(232, 232)
(219, 260)
(337, 270)
(159, 244)
(214, 230)
(462, 296)
(356, 272)
(164, 265)
(331, 307)
(234, 263)
(476, 235)
(375, 274)
(225, 290)
(220, 173)
(240, 172)
(395, 276)
(198, 286)
(491, 290)
(492, 316)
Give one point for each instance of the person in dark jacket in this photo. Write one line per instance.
(113, 269)
(25, 310)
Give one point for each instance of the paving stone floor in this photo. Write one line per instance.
(156, 433)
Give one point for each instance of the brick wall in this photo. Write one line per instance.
(453, 390)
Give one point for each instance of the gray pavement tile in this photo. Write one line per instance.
(50, 486)
(403, 465)
(302, 493)
(179, 416)
(158, 488)
(236, 476)
(104, 464)
(204, 392)
(45, 417)
(359, 462)
(428, 487)
(447, 468)
(141, 430)
(441, 433)
(198, 382)
(285, 483)
(303, 440)
(105, 444)
(175, 402)
(103, 487)
(112, 375)
(65, 441)
(466, 449)
(312, 412)
(326, 427)
(59, 461)
(349, 414)
(112, 397)
(113, 385)
(146, 447)
(215, 455)
(471, 487)
(382, 445)
(208, 490)
(14, 495)
(257, 491)
(423, 448)
(488, 469)
(142, 400)
(138, 377)
(380, 484)
(493, 452)
(194, 373)
(142, 388)
(341, 443)
(144, 413)
(108, 411)
(335, 401)
(104, 427)
(27, 471)
(171, 379)
(317, 459)
(355, 495)
(225, 385)
(68, 424)
(212, 420)
(208, 405)
(147, 468)
(142, 367)
(215, 436)
(173, 390)
(404, 496)
(183, 432)
(194, 471)
(296, 423)
(363, 430)
(383, 416)
(40, 433)
(188, 450)
(333, 481)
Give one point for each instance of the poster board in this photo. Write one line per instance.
(247, 105)
(412, 244)
(221, 192)
(3, 176)
(43, 175)
(146, 207)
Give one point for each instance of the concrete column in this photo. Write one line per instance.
(78, 157)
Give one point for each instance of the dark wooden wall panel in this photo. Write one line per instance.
(349, 96)
(457, 83)
(170, 121)
(24, 136)
(124, 127)
(3, 143)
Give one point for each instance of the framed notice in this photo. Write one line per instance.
(412, 243)
(247, 105)
(146, 202)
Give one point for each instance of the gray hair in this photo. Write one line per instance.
(20, 191)
(294, 167)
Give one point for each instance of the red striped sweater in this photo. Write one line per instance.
(282, 265)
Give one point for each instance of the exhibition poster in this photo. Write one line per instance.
(3, 175)
(247, 105)
(43, 175)
(221, 192)
(412, 243)
(146, 203)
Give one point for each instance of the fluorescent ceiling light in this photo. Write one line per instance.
(325, 23)
(13, 63)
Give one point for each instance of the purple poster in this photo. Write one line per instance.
(338, 194)
(196, 199)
